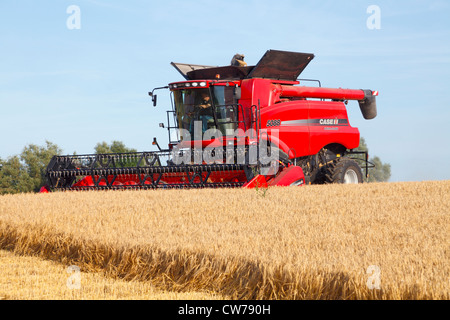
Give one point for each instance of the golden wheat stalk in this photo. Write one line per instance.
(294, 243)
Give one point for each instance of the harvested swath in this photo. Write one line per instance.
(289, 243)
(32, 278)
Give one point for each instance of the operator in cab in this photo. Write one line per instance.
(205, 110)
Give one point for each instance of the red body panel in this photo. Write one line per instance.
(340, 132)
(298, 126)
(287, 177)
(257, 182)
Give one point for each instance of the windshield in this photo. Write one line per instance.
(214, 109)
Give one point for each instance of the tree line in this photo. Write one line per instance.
(25, 172)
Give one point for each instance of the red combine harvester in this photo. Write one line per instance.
(237, 126)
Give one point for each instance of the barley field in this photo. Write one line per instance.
(371, 241)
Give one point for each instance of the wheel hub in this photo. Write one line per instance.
(350, 177)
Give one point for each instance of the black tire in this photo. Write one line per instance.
(344, 171)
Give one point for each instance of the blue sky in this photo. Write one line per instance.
(79, 87)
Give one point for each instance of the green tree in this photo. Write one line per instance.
(26, 172)
(114, 147)
(118, 147)
(382, 171)
(13, 176)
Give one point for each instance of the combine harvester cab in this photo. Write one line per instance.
(236, 126)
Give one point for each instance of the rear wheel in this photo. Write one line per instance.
(344, 171)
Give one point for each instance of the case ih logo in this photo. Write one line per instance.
(314, 122)
(329, 122)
